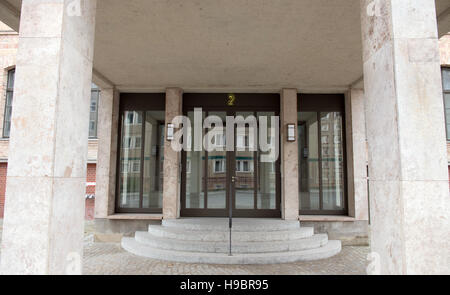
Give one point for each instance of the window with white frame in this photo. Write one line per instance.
(219, 140)
(132, 142)
(244, 166)
(8, 103)
(219, 166)
(93, 115)
(242, 141)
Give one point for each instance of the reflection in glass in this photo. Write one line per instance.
(217, 166)
(332, 162)
(266, 186)
(195, 195)
(309, 161)
(245, 176)
(130, 156)
(153, 159)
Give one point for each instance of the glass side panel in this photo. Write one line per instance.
(130, 157)
(309, 161)
(332, 161)
(153, 159)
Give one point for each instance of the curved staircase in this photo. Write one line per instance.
(255, 241)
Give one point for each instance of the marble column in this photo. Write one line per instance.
(289, 157)
(355, 128)
(409, 197)
(107, 132)
(172, 176)
(44, 215)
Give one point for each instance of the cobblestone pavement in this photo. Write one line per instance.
(111, 259)
(103, 259)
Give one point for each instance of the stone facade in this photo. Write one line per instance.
(9, 40)
(406, 157)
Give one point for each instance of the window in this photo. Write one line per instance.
(219, 140)
(244, 166)
(93, 116)
(8, 103)
(219, 166)
(446, 87)
(141, 154)
(321, 153)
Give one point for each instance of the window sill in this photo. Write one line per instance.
(4, 138)
(326, 218)
(127, 216)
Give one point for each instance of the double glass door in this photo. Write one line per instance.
(215, 178)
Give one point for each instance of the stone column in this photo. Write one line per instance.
(171, 186)
(44, 215)
(107, 131)
(289, 157)
(409, 198)
(356, 154)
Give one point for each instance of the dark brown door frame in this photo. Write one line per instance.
(326, 103)
(244, 103)
(139, 102)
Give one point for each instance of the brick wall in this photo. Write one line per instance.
(90, 190)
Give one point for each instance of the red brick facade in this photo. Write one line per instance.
(90, 190)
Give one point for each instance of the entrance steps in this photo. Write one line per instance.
(255, 241)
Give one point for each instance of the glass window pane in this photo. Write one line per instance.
(446, 78)
(332, 162)
(11, 78)
(195, 176)
(94, 112)
(129, 181)
(308, 132)
(153, 159)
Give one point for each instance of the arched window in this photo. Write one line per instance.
(8, 103)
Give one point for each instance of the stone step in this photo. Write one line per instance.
(315, 241)
(239, 224)
(133, 246)
(223, 236)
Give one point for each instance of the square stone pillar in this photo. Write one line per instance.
(409, 197)
(289, 157)
(107, 131)
(43, 226)
(355, 127)
(172, 159)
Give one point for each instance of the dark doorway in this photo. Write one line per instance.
(208, 178)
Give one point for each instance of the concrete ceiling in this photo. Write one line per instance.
(313, 45)
(258, 45)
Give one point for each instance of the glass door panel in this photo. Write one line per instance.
(245, 180)
(194, 171)
(266, 171)
(153, 159)
(217, 165)
(309, 161)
